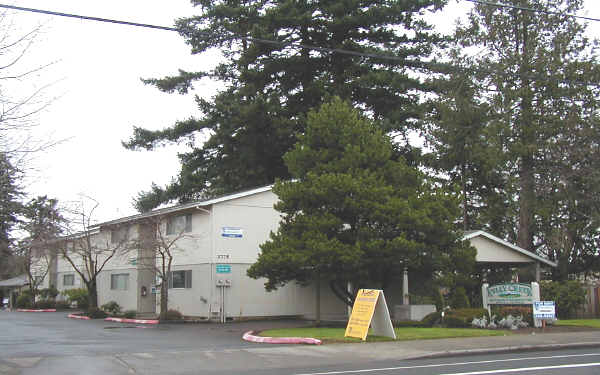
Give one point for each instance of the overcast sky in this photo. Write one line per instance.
(97, 97)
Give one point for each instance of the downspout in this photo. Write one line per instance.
(212, 257)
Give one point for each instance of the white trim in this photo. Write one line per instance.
(509, 245)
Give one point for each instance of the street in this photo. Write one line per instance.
(49, 343)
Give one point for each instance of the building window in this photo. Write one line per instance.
(180, 279)
(119, 235)
(179, 224)
(119, 281)
(68, 280)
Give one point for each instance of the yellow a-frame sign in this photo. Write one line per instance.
(370, 309)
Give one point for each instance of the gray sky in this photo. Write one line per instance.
(99, 96)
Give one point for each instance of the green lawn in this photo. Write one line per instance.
(594, 323)
(409, 333)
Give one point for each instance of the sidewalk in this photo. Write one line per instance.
(476, 345)
(434, 348)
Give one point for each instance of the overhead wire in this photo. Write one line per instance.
(520, 7)
(435, 66)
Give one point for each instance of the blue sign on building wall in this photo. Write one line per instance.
(223, 268)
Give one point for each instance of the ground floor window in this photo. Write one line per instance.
(69, 280)
(180, 279)
(119, 281)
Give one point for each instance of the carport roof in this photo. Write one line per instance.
(20, 280)
(476, 233)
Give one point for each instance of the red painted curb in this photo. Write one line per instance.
(38, 310)
(249, 336)
(83, 317)
(137, 321)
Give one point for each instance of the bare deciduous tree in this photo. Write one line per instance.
(158, 243)
(89, 248)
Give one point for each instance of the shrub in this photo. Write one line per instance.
(408, 323)
(439, 300)
(48, 293)
(130, 314)
(459, 299)
(96, 314)
(456, 322)
(45, 304)
(78, 295)
(432, 319)
(464, 317)
(173, 314)
(62, 305)
(112, 308)
(568, 296)
(24, 301)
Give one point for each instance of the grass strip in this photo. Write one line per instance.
(330, 335)
(593, 323)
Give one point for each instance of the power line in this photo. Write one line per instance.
(246, 38)
(439, 67)
(500, 5)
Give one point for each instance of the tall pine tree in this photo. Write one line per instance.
(273, 82)
(539, 77)
(353, 213)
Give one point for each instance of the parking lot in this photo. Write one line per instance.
(50, 334)
(51, 343)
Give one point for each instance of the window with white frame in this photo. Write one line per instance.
(179, 224)
(68, 280)
(119, 281)
(180, 279)
(119, 235)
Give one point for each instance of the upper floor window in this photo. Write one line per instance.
(179, 224)
(119, 235)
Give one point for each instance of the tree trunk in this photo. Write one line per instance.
(527, 138)
(164, 300)
(92, 294)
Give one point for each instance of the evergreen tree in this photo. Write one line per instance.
(539, 77)
(10, 207)
(272, 85)
(354, 213)
(42, 222)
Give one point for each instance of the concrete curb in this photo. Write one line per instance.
(36, 310)
(136, 321)
(251, 337)
(509, 349)
(82, 317)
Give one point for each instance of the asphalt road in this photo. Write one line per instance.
(49, 343)
(568, 362)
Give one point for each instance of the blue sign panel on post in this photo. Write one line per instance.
(223, 268)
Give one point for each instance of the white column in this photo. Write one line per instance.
(484, 297)
(535, 292)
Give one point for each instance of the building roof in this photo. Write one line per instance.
(475, 233)
(185, 206)
(20, 280)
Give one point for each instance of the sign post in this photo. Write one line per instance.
(543, 310)
(370, 309)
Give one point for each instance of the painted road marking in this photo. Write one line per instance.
(450, 364)
(525, 369)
